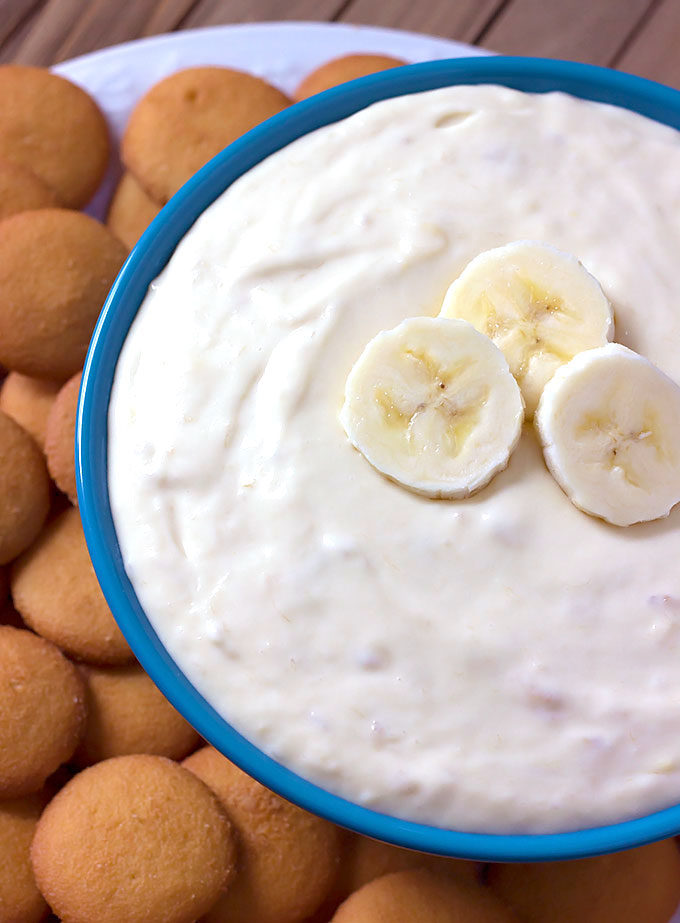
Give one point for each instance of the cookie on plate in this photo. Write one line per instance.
(42, 710)
(187, 118)
(21, 190)
(24, 489)
(54, 588)
(131, 211)
(60, 437)
(135, 839)
(340, 70)
(627, 887)
(286, 860)
(20, 900)
(56, 268)
(52, 127)
(127, 713)
(28, 401)
(420, 896)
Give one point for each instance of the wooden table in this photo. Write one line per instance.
(640, 36)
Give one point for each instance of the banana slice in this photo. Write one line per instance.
(539, 305)
(609, 422)
(432, 405)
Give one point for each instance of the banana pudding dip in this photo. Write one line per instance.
(398, 511)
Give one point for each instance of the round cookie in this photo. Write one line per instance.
(20, 900)
(340, 70)
(56, 268)
(60, 438)
(42, 710)
(22, 191)
(189, 117)
(365, 859)
(420, 896)
(287, 859)
(28, 401)
(627, 887)
(24, 489)
(54, 588)
(127, 713)
(131, 211)
(54, 128)
(135, 838)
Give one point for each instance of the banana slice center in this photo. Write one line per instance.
(439, 412)
(529, 317)
(623, 449)
(433, 406)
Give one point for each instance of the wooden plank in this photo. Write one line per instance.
(104, 24)
(463, 20)
(13, 13)
(168, 15)
(217, 12)
(653, 51)
(9, 47)
(48, 31)
(591, 31)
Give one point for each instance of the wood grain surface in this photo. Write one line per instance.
(640, 36)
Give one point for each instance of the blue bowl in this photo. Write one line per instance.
(143, 265)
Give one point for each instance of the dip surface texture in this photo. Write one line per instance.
(503, 663)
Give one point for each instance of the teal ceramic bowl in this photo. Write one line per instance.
(144, 264)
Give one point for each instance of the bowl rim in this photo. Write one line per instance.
(537, 75)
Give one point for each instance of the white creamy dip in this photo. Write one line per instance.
(503, 663)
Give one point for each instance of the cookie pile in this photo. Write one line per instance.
(111, 807)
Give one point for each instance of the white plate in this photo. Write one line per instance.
(282, 53)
